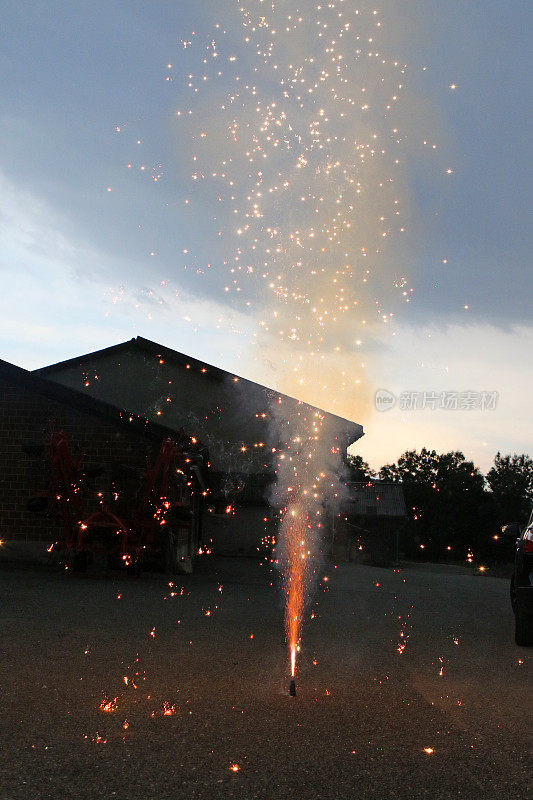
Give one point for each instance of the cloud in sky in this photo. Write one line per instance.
(61, 296)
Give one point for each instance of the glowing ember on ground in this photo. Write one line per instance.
(429, 750)
(234, 768)
(96, 739)
(109, 705)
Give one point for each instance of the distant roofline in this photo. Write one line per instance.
(158, 349)
(375, 482)
(115, 348)
(121, 417)
(392, 491)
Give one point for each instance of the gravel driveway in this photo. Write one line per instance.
(450, 716)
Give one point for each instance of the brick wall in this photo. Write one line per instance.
(25, 417)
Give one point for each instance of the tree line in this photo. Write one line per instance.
(454, 512)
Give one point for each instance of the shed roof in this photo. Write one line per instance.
(146, 346)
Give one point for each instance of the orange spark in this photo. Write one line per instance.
(109, 705)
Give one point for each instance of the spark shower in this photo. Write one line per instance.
(293, 145)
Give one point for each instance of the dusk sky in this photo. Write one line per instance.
(94, 251)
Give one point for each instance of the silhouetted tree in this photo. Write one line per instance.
(359, 469)
(511, 483)
(447, 505)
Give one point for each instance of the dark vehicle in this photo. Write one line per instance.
(522, 581)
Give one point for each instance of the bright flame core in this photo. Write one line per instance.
(294, 575)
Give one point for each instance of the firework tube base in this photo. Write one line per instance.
(292, 689)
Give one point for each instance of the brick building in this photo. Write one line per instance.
(233, 416)
(237, 419)
(106, 435)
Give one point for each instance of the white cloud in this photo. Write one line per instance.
(59, 296)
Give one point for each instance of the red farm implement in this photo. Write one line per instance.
(164, 518)
(67, 482)
(155, 512)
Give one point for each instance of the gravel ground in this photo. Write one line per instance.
(357, 729)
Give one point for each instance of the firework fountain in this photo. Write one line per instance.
(294, 127)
